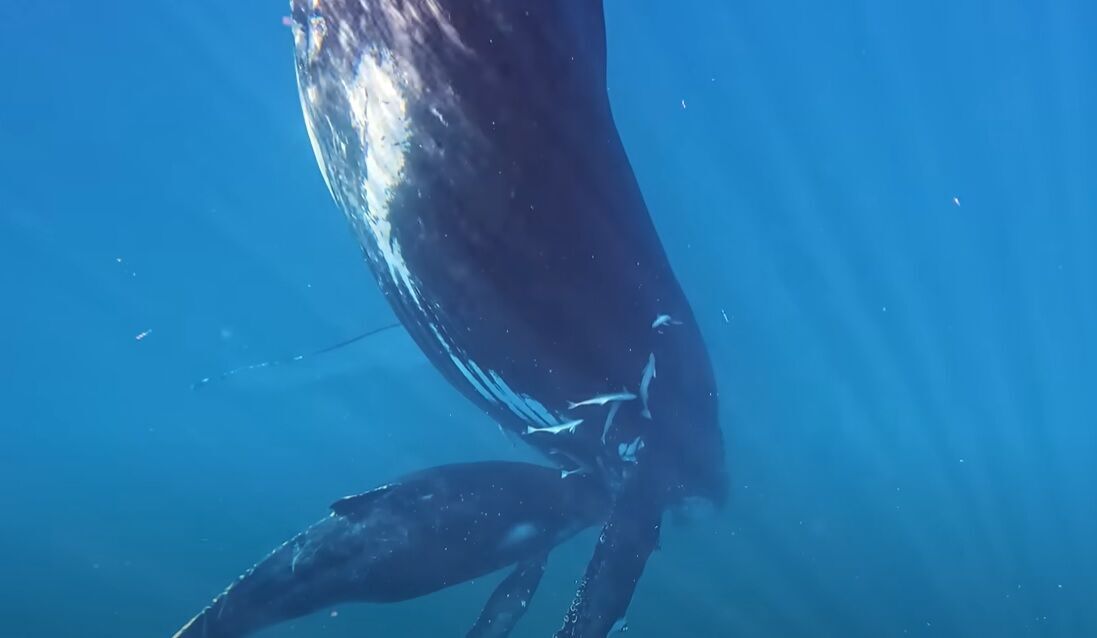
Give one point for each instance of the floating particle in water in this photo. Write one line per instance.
(287, 21)
(723, 312)
(956, 201)
(683, 104)
(141, 335)
(334, 613)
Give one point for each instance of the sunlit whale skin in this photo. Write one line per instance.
(471, 145)
(419, 534)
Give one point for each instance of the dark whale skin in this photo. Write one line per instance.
(471, 145)
(421, 533)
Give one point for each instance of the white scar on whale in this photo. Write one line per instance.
(556, 429)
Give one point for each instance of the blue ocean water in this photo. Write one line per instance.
(884, 214)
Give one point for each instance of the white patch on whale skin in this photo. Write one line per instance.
(363, 165)
(188, 625)
(347, 37)
(484, 379)
(519, 404)
(310, 96)
(645, 385)
(461, 367)
(378, 113)
(358, 120)
(302, 554)
(494, 389)
(438, 114)
(542, 412)
(471, 378)
(520, 533)
(318, 30)
(356, 96)
(522, 406)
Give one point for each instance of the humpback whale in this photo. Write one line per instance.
(472, 148)
(421, 533)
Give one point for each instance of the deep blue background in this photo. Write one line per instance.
(908, 383)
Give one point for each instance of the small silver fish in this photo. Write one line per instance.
(556, 429)
(645, 385)
(603, 399)
(664, 320)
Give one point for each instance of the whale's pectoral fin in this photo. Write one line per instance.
(509, 601)
(627, 539)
